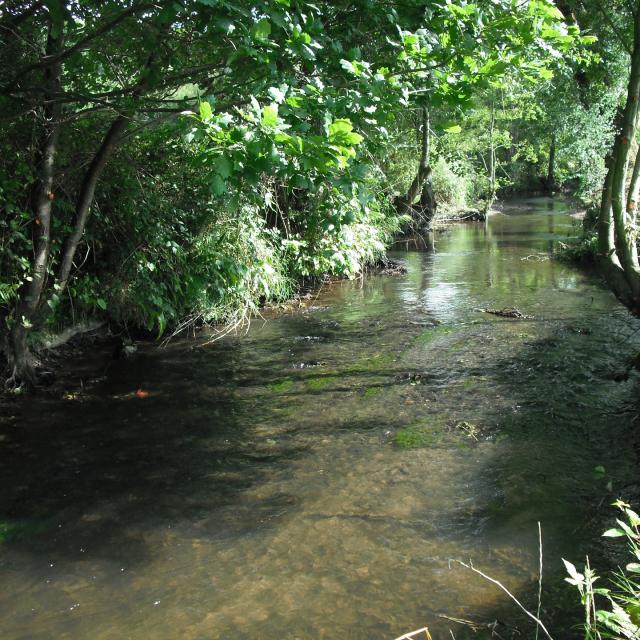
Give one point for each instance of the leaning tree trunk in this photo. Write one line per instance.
(422, 179)
(616, 239)
(634, 190)
(42, 196)
(94, 171)
(85, 198)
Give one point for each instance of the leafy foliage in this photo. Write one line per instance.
(612, 612)
(207, 154)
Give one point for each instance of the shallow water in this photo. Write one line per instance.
(314, 478)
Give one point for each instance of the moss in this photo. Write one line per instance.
(320, 382)
(422, 433)
(282, 385)
(371, 392)
(373, 362)
(414, 436)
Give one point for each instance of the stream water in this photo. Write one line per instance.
(315, 477)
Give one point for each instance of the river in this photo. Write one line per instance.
(315, 477)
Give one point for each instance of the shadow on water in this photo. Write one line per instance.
(314, 478)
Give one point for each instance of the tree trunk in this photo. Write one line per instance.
(423, 175)
(616, 241)
(427, 197)
(625, 240)
(88, 187)
(42, 196)
(606, 230)
(634, 189)
(492, 162)
(551, 169)
(85, 198)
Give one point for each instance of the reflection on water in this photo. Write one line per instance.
(260, 490)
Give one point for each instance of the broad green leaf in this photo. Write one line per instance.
(341, 133)
(262, 29)
(218, 187)
(205, 111)
(223, 166)
(269, 115)
(451, 127)
(613, 533)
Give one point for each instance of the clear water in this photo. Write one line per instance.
(265, 488)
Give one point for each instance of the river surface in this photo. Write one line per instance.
(315, 477)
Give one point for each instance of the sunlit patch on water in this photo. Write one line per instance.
(314, 478)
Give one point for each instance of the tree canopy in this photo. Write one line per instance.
(167, 163)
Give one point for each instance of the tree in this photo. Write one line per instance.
(617, 236)
(292, 101)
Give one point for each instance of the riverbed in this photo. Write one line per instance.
(317, 476)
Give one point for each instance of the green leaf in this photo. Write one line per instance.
(451, 127)
(342, 125)
(218, 186)
(162, 324)
(102, 303)
(625, 527)
(341, 133)
(634, 518)
(576, 576)
(634, 613)
(613, 533)
(223, 166)
(262, 29)
(269, 115)
(205, 111)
